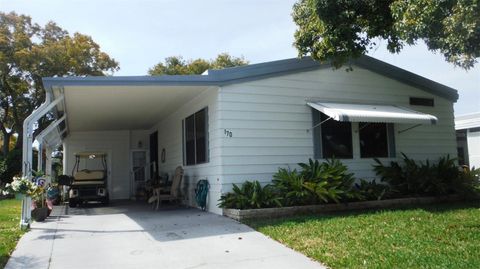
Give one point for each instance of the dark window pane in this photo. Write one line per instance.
(201, 136)
(190, 140)
(373, 140)
(336, 139)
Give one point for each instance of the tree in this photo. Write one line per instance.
(335, 31)
(175, 65)
(29, 52)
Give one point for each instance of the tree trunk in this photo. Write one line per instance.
(6, 142)
(19, 143)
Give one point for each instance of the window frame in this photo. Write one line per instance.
(206, 138)
(318, 138)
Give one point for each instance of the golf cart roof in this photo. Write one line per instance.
(90, 154)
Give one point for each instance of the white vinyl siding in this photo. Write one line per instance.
(269, 120)
(170, 137)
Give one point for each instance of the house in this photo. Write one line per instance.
(468, 139)
(243, 123)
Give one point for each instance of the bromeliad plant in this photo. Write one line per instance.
(250, 195)
(427, 178)
(314, 183)
(371, 190)
(329, 180)
(468, 183)
(290, 185)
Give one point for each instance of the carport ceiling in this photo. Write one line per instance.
(102, 108)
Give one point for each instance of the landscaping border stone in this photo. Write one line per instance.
(277, 212)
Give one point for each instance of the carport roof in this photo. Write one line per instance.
(254, 72)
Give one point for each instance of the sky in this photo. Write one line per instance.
(140, 33)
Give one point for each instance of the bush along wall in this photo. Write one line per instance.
(331, 182)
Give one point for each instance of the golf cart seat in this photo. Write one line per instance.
(89, 175)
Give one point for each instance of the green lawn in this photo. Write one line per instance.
(441, 236)
(9, 228)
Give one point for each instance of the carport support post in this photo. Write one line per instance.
(48, 162)
(40, 157)
(27, 154)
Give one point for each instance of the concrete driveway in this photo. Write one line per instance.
(134, 236)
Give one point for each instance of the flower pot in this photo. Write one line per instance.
(19, 196)
(40, 214)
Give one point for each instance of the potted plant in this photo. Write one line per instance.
(20, 187)
(39, 207)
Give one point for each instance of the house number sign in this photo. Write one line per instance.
(228, 133)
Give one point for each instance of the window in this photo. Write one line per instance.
(417, 101)
(195, 128)
(336, 138)
(373, 140)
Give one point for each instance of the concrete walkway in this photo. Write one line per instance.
(134, 236)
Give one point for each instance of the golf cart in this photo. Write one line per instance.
(90, 182)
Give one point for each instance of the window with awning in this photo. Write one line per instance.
(372, 113)
(332, 128)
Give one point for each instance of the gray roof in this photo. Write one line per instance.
(254, 72)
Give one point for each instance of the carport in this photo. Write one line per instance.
(92, 112)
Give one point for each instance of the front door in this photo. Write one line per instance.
(139, 171)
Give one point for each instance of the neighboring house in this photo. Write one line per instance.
(468, 139)
(243, 123)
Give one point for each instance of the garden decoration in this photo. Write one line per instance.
(23, 189)
(20, 187)
(201, 193)
(40, 208)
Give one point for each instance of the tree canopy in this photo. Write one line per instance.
(176, 65)
(336, 30)
(29, 52)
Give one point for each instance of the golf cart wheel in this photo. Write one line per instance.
(105, 201)
(72, 203)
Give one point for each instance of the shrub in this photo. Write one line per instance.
(290, 185)
(468, 182)
(330, 180)
(316, 182)
(425, 178)
(371, 190)
(251, 194)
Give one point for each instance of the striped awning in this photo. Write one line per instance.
(372, 113)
